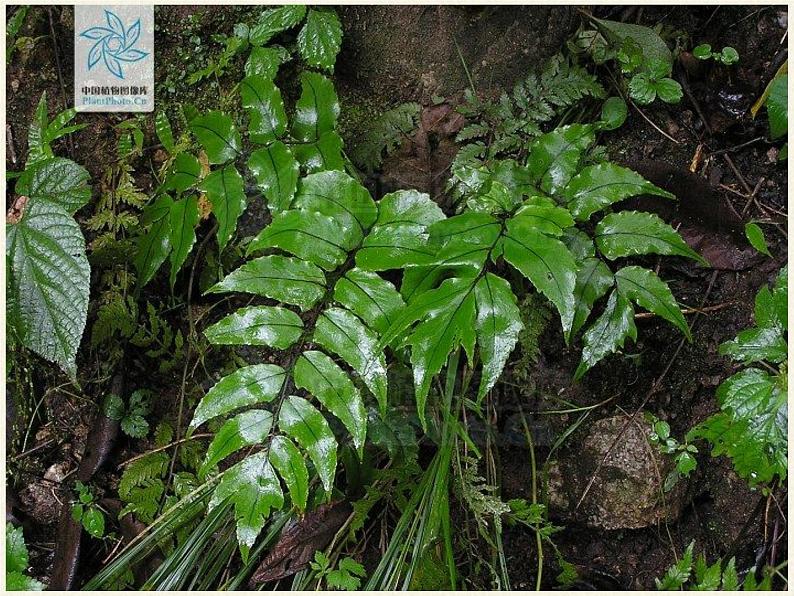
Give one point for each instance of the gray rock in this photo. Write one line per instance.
(627, 491)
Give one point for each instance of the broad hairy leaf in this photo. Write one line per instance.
(281, 278)
(155, 244)
(276, 171)
(247, 386)
(58, 180)
(322, 378)
(248, 428)
(644, 288)
(275, 21)
(253, 489)
(752, 428)
(48, 272)
(498, 325)
(608, 332)
(184, 216)
(342, 333)
(226, 191)
(272, 326)
(218, 135)
(654, 47)
(262, 99)
(317, 108)
(629, 233)
(320, 38)
(307, 426)
(601, 185)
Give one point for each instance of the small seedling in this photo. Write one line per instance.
(87, 512)
(727, 56)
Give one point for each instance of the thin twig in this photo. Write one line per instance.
(124, 464)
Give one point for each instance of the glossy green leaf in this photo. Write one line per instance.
(757, 344)
(281, 278)
(375, 300)
(498, 325)
(542, 215)
(276, 171)
(48, 272)
(184, 217)
(322, 378)
(601, 185)
(755, 236)
(247, 386)
(629, 233)
(57, 180)
(654, 47)
(322, 155)
(340, 197)
(265, 62)
(252, 487)
(248, 428)
(262, 99)
(218, 135)
(642, 89)
(446, 318)
(777, 106)
(342, 333)
(162, 127)
(155, 244)
(308, 235)
(226, 191)
(274, 21)
(592, 282)
(317, 108)
(271, 326)
(608, 333)
(466, 240)
(288, 461)
(613, 113)
(304, 423)
(548, 264)
(184, 173)
(320, 39)
(448, 322)
(669, 90)
(399, 236)
(645, 288)
(554, 157)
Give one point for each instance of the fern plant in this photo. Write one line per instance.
(337, 236)
(209, 181)
(531, 217)
(503, 128)
(751, 427)
(385, 135)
